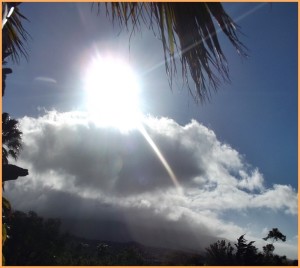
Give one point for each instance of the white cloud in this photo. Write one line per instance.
(278, 197)
(252, 182)
(45, 79)
(80, 171)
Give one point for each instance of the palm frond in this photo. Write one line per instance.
(187, 32)
(11, 138)
(14, 35)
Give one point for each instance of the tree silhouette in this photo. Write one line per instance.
(275, 235)
(13, 37)
(33, 240)
(187, 31)
(246, 252)
(220, 253)
(11, 138)
(14, 34)
(268, 249)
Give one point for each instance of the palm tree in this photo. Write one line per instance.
(11, 138)
(11, 146)
(13, 37)
(187, 32)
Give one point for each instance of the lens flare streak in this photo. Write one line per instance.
(161, 158)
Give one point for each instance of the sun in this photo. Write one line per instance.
(112, 93)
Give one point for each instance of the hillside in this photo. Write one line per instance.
(95, 252)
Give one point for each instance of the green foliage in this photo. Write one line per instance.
(6, 207)
(77, 254)
(33, 240)
(178, 258)
(220, 253)
(129, 256)
(4, 233)
(245, 253)
(6, 211)
(37, 241)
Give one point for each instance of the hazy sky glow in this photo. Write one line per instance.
(159, 163)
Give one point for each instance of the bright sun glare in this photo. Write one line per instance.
(112, 93)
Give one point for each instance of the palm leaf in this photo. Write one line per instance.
(6, 204)
(4, 233)
(190, 28)
(11, 138)
(14, 35)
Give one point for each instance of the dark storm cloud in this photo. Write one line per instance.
(76, 155)
(105, 158)
(107, 184)
(90, 218)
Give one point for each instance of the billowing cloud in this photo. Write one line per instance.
(102, 177)
(255, 181)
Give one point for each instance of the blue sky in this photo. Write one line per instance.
(253, 119)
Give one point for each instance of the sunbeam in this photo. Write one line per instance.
(161, 158)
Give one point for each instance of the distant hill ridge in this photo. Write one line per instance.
(146, 255)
